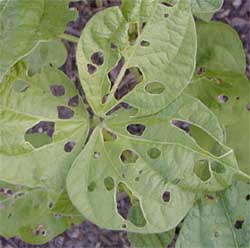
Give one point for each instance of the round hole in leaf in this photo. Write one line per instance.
(201, 169)
(238, 224)
(166, 15)
(109, 183)
(40, 134)
(136, 129)
(201, 70)
(97, 155)
(74, 101)
(237, 98)
(97, 58)
(50, 205)
(124, 226)
(166, 196)
(155, 88)
(91, 68)
(69, 146)
(44, 233)
(57, 90)
(145, 43)
(20, 85)
(248, 197)
(91, 186)
(65, 112)
(113, 46)
(222, 98)
(129, 156)
(154, 153)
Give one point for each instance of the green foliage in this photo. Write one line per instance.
(220, 220)
(203, 9)
(25, 23)
(177, 147)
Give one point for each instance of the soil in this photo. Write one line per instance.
(234, 12)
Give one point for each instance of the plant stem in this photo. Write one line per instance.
(69, 37)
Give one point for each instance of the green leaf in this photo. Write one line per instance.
(51, 53)
(112, 34)
(132, 159)
(219, 48)
(223, 87)
(36, 158)
(25, 23)
(203, 9)
(219, 221)
(233, 113)
(32, 213)
(22, 163)
(160, 240)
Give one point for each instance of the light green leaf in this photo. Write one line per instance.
(161, 160)
(51, 53)
(25, 23)
(219, 221)
(22, 163)
(164, 52)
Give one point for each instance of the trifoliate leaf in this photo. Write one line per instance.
(156, 163)
(156, 43)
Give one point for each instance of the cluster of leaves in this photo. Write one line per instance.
(176, 141)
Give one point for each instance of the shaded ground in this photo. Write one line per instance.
(234, 12)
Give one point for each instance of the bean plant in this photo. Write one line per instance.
(175, 140)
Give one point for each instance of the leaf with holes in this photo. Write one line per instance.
(43, 218)
(203, 9)
(159, 240)
(219, 221)
(223, 87)
(41, 107)
(128, 44)
(41, 134)
(158, 162)
(25, 23)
